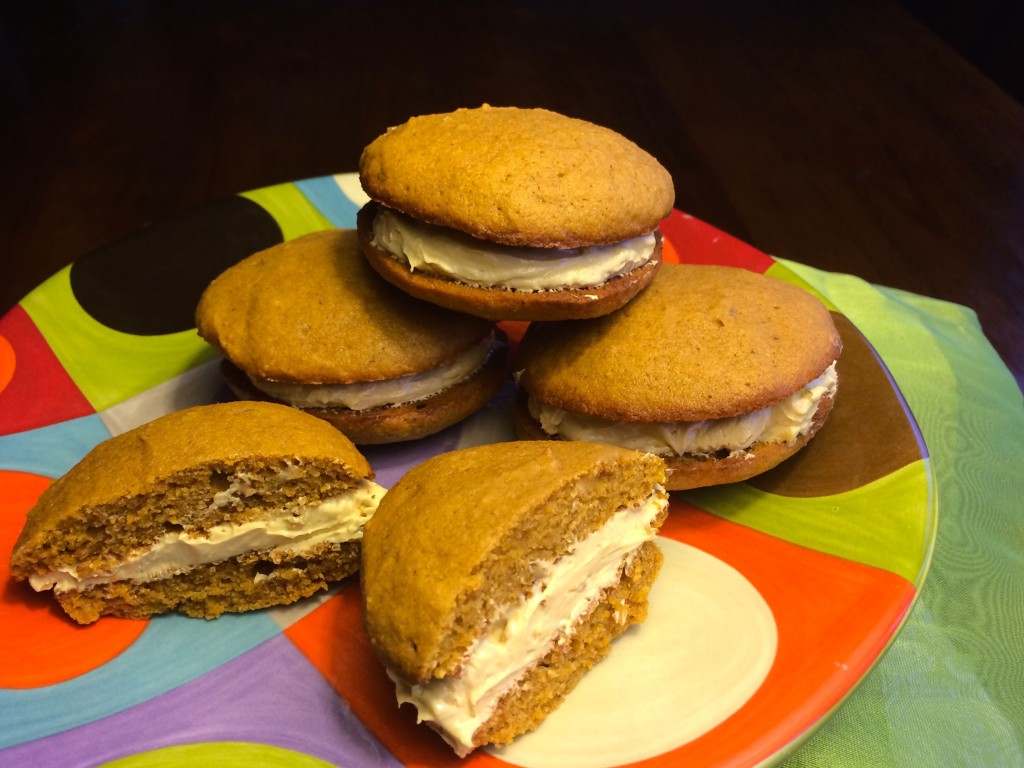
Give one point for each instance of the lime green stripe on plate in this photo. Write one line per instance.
(879, 524)
(290, 208)
(780, 271)
(108, 366)
(219, 754)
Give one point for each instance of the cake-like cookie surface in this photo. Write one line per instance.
(723, 372)
(309, 324)
(701, 342)
(310, 310)
(187, 485)
(526, 177)
(466, 538)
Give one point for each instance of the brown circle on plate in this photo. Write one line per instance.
(870, 432)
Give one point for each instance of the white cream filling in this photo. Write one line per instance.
(361, 395)
(563, 592)
(457, 256)
(288, 532)
(783, 422)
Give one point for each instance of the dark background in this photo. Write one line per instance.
(988, 33)
(876, 138)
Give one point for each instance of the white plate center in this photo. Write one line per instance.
(706, 647)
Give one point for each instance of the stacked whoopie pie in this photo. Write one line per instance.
(475, 216)
(508, 214)
(308, 324)
(513, 214)
(718, 373)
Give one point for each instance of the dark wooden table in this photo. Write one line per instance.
(843, 136)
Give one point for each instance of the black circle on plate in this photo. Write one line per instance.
(150, 281)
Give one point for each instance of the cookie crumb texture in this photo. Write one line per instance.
(459, 538)
(526, 177)
(244, 583)
(545, 686)
(185, 473)
(98, 536)
(456, 536)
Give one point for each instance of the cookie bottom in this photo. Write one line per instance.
(244, 583)
(396, 423)
(699, 471)
(502, 304)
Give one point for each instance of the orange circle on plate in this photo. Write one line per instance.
(40, 645)
(7, 360)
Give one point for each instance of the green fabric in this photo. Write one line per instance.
(950, 689)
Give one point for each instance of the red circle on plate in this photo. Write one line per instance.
(7, 360)
(40, 644)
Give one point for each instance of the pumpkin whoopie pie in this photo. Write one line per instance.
(513, 214)
(309, 324)
(226, 507)
(722, 371)
(494, 577)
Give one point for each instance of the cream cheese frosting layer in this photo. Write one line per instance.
(361, 395)
(457, 256)
(783, 422)
(563, 593)
(289, 531)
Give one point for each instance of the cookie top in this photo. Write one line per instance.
(454, 538)
(701, 342)
(196, 445)
(312, 311)
(519, 177)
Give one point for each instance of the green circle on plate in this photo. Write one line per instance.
(219, 754)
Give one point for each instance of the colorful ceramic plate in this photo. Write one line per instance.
(777, 595)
